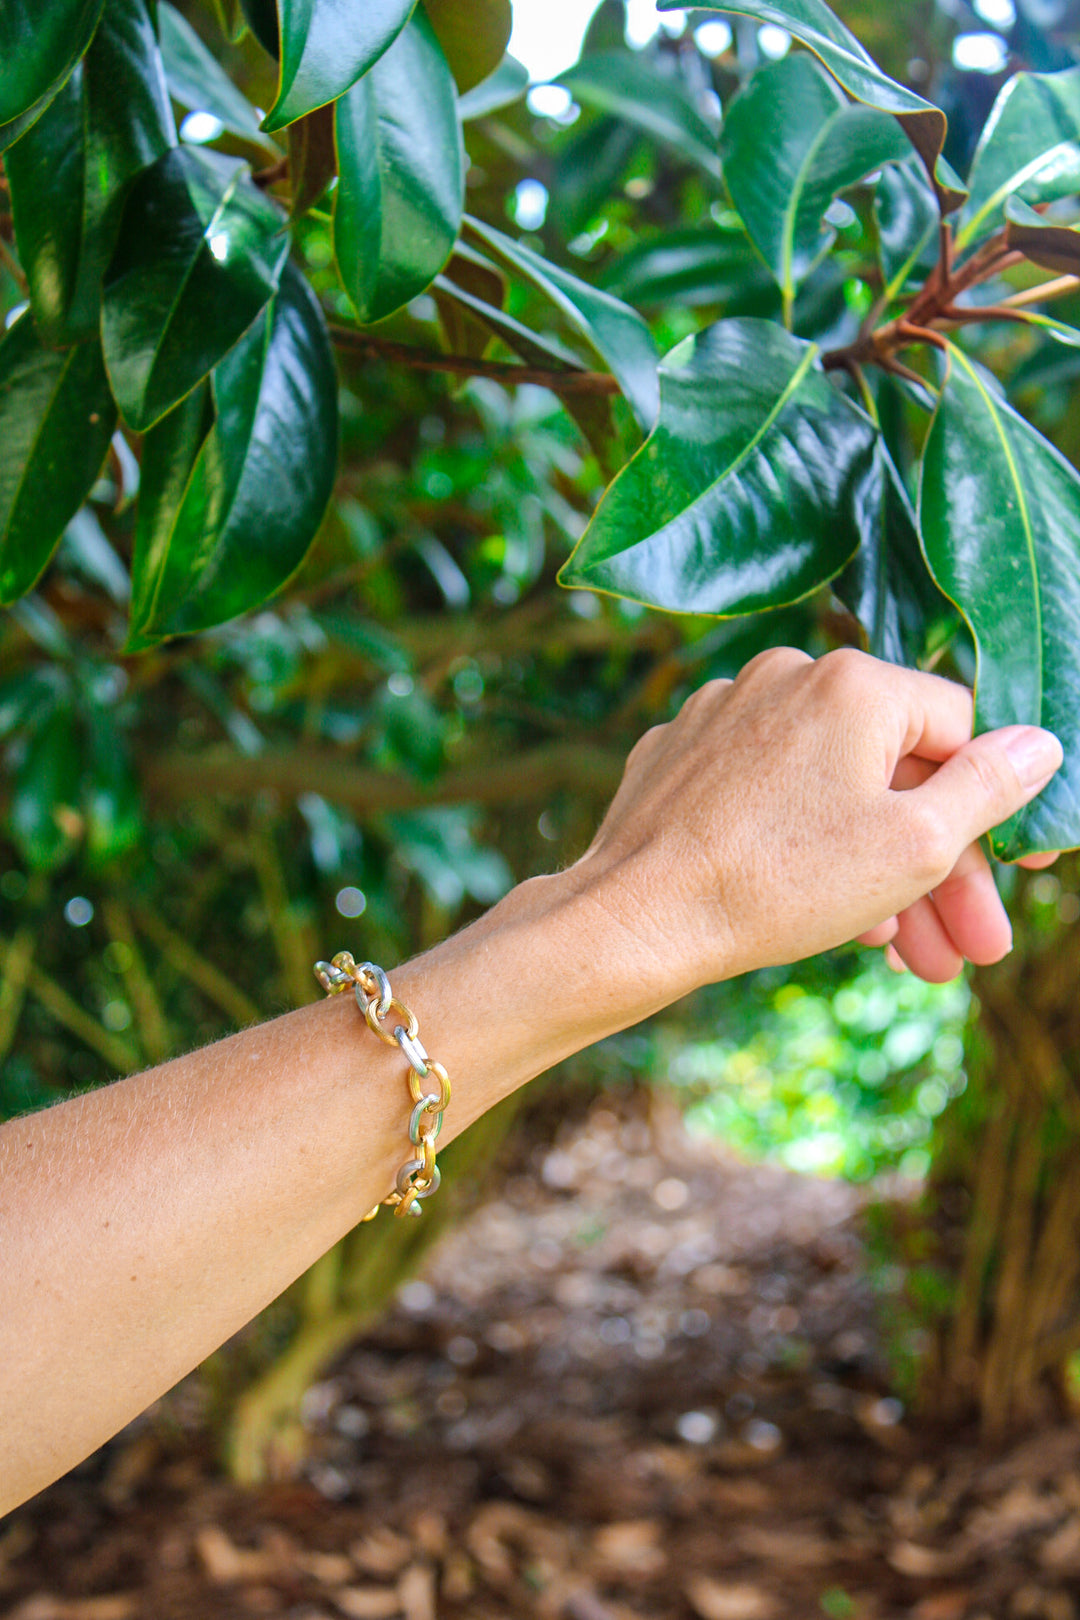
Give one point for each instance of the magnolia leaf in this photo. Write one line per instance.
(200, 253)
(628, 87)
(227, 515)
(327, 47)
(821, 31)
(1030, 147)
(999, 512)
(887, 585)
(69, 173)
(789, 143)
(56, 419)
(397, 207)
(198, 82)
(611, 331)
(1055, 247)
(906, 211)
(473, 34)
(39, 46)
(594, 414)
(312, 158)
(749, 492)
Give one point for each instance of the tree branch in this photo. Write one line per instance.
(520, 779)
(373, 347)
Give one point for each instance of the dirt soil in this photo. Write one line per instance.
(645, 1381)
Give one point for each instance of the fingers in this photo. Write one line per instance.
(923, 945)
(881, 935)
(1036, 863)
(979, 786)
(970, 909)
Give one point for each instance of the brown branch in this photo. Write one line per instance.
(373, 347)
(520, 779)
(270, 176)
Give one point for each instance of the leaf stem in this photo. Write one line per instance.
(373, 347)
(1060, 287)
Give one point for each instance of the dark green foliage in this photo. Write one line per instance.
(199, 254)
(749, 492)
(397, 210)
(70, 172)
(56, 419)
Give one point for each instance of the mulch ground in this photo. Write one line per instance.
(645, 1381)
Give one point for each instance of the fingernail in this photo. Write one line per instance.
(1034, 754)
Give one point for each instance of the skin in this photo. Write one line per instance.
(802, 805)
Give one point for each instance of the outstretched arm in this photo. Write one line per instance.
(142, 1224)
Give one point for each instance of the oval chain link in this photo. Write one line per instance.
(418, 1177)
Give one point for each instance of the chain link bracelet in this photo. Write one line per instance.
(419, 1176)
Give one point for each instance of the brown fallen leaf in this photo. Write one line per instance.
(908, 1558)
(224, 1562)
(630, 1548)
(793, 1547)
(329, 1569)
(416, 1592)
(952, 1604)
(368, 1602)
(723, 1600)
(108, 1606)
(382, 1552)
(1061, 1551)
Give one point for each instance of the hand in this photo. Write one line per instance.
(806, 804)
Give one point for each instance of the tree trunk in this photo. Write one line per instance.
(1004, 1196)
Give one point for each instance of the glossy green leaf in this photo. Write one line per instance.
(312, 159)
(699, 264)
(811, 22)
(199, 254)
(56, 420)
(750, 491)
(627, 86)
(1030, 147)
(887, 584)
(326, 48)
(43, 818)
(198, 82)
(907, 217)
(39, 46)
(397, 208)
(70, 172)
(1060, 331)
(1055, 247)
(610, 331)
(789, 143)
(594, 414)
(999, 511)
(473, 34)
(502, 88)
(262, 18)
(226, 516)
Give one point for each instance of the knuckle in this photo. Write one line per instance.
(774, 661)
(845, 669)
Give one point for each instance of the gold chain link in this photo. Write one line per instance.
(419, 1175)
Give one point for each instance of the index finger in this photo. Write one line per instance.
(938, 715)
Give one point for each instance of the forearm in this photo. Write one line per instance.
(143, 1224)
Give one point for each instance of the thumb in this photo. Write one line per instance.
(989, 779)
